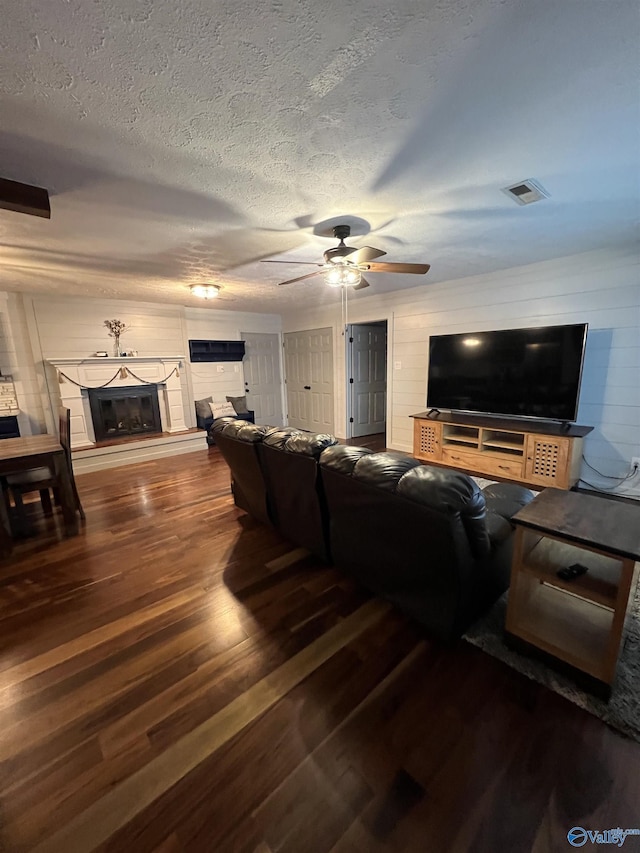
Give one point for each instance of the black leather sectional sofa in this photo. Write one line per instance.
(426, 538)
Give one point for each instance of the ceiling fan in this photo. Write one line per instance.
(343, 265)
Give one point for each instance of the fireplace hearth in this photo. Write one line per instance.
(122, 412)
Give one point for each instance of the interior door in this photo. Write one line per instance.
(308, 359)
(369, 375)
(263, 377)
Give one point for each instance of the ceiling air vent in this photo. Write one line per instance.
(526, 192)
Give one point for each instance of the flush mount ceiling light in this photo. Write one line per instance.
(205, 291)
(341, 274)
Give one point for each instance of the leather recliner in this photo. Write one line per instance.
(426, 538)
(238, 442)
(289, 460)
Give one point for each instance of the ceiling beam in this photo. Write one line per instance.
(23, 198)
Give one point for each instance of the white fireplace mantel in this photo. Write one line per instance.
(123, 359)
(163, 371)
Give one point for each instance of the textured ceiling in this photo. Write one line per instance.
(182, 141)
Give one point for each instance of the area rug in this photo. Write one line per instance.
(621, 712)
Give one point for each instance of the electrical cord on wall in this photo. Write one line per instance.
(632, 473)
(605, 489)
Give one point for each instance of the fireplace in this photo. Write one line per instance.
(77, 376)
(122, 412)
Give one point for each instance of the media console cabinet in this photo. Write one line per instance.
(532, 453)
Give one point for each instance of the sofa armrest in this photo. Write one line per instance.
(506, 499)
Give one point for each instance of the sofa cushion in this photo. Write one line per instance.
(507, 498)
(309, 444)
(244, 431)
(203, 409)
(239, 404)
(222, 410)
(341, 458)
(278, 437)
(383, 470)
(454, 493)
(220, 423)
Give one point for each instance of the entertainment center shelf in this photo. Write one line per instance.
(528, 452)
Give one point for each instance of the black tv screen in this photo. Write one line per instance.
(532, 373)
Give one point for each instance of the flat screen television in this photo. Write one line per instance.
(526, 373)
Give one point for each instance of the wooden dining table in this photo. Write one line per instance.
(37, 451)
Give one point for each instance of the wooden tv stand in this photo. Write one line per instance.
(534, 453)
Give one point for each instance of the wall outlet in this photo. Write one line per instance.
(635, 465)
(220, 369)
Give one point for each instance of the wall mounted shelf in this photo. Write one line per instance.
(216, 350)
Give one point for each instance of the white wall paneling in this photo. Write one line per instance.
(221, 379)
(16, 360)
(600, 288)
(64, 327)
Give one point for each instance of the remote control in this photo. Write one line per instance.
(572, 572)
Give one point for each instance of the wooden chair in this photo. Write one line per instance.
(43, 479)
(22, 482)
(64, 426)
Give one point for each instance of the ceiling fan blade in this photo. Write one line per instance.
(24, 198)
(300, 278)
(297, 263)
(363, 283)
(364, 254)
(417, 269)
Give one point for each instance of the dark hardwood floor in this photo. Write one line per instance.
(180, 678)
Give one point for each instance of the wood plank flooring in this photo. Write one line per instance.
(180, 678)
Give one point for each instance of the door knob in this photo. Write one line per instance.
(307, 387)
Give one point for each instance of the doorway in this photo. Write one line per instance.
(308, 364)
(263, 377)
(367, 379)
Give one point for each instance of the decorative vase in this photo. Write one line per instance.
(116, 346)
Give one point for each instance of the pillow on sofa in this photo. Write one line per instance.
(221, 410)
(239, 404)
(202, 407)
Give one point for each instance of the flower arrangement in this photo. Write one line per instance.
(116, 328)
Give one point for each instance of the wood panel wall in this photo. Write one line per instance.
(16, 359)
(600, 288)
(71, 327)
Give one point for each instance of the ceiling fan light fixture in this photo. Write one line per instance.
(205, 291)
(341, 275)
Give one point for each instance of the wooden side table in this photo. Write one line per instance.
(579, 622)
